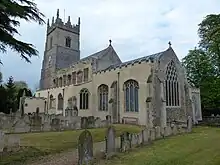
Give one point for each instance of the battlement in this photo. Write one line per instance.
(58, 23)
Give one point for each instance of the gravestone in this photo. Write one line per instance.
(85, 148)
(110, 141)
(125, 141)
(84, 122)
(158, 132)
(189, 124)
(2, 141)
(91, 122)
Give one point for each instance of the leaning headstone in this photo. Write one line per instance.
(125, 141)
(110, 141)
(85, 148)
(174, 130)
(189, 124)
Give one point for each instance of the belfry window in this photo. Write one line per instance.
(68, 42)
(103, 97)
(131, 88)
(172, 86)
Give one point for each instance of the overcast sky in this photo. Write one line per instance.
(136, 27)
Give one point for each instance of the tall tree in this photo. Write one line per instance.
(209, 33)
(198, 66)
(11, 12)
(11, 97)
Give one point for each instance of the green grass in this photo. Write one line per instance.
(41, 144)
(201, 147)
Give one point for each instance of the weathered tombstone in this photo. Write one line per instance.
(152, 134)
(110, 141)
(146, 135)
(91, 122)
(108, 118)
(84, 122)
(55, 124)
(174, 130)
(85, 148)
(189, 124)
(97, 122)
(2, 141)
(125, 141)
(157, 132)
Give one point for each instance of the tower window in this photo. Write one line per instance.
(68, 42)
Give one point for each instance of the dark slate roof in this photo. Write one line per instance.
(98, 55)
(145, 58)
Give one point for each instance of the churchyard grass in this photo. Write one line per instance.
(201, 147)
(40, 144)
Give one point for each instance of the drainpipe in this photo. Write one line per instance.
(118, 105)
(63, 102)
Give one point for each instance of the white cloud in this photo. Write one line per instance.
(136, 28)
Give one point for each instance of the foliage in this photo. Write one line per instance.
(203, 63)
(10, 94)
(11, 12)
(11, 97)
(47, 142)
(209, 32)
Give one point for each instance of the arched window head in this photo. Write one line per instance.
(60, 102)
(172, 86)
(103, 97)
(84, 99)
(131, 88)
(68, 42)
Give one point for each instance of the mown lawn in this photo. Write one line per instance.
(41, 144)
(201, 147)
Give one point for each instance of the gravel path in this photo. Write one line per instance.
(66, 158)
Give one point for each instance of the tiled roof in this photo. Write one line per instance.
(145, 58)
(101, 53)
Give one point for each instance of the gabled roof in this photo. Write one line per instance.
(109, 50)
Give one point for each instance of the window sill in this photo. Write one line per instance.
(83, 109)
(130, 112)
(173, 106)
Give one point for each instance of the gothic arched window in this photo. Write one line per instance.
(51, 102)
(131, 88)
(103, 97)
(172, 86)
(84, 99)
(68, 42)
(60, 102)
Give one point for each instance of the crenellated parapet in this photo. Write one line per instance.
(67, 26)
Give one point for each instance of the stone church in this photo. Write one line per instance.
(151, 90)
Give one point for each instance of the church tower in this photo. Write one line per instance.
(62, 48)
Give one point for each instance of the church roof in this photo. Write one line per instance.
(151, 57)
(109, 50)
